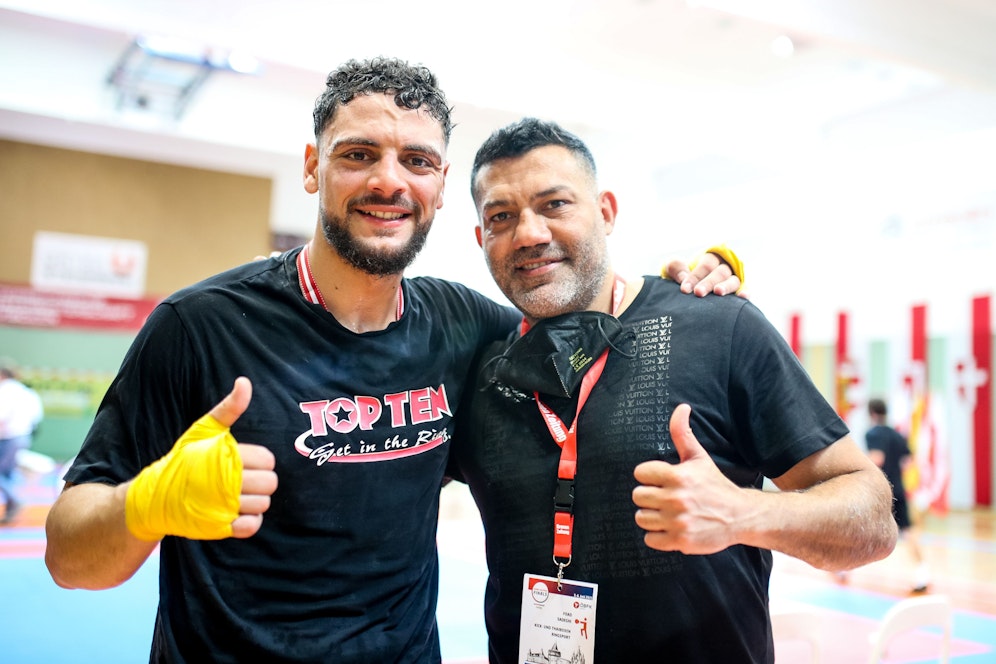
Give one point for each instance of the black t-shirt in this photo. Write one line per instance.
(894, 446)
(754, 410)
(344, 568)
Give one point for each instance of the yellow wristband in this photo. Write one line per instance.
(726, 254)
(193, 491)
(731, 259)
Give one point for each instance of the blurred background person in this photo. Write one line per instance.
(890, 451)
(20, 414)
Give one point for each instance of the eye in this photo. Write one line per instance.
(356, 155)
(498, 221)
(421, 163)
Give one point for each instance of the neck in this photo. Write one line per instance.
(361, 302)
(606, 299)
(616, 294)
(609, 300)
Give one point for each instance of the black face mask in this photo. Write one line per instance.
(553, 357)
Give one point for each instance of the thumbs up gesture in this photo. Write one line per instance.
(689, 506)
(208, 486)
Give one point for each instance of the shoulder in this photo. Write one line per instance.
(257, 276)
(434, 287)
(454, 295)
(461, 311)
(663, 297)
(660, 290)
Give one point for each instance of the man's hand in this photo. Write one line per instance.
(259, 481)
(208, 486)
(711, 274)
(690, 506)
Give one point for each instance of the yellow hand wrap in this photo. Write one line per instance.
(193, 491)
(728, 256)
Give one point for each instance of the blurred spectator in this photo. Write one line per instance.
(20, 414)
(889, 450)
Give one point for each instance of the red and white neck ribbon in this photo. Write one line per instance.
(309, 287)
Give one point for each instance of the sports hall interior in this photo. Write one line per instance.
(845, 149)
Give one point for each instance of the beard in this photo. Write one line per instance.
(574, 291)
(376, 262)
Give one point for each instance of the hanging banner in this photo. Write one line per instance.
(927, 478)
(846, 373)
(795, 334)
(982, 412)
(27, 307)
(64, 262)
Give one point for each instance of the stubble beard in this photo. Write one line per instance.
(375, 262)
(562, 296)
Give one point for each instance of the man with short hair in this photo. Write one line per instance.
(618, 391)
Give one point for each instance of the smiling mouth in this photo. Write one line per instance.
(537, 265)
(386, 216)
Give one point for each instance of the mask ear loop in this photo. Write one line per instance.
(629, 334)
(487, 365)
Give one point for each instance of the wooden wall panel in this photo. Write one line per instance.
(195, 222)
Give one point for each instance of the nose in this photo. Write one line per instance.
(531, 230)
(387, 178)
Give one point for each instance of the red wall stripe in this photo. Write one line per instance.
(795, 335)
(982, 415)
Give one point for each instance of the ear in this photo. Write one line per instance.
(311, 168)
(477, 232)
(609, 207)
(446, 169)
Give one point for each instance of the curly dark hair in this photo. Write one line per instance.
(414, 86)
(518, 138)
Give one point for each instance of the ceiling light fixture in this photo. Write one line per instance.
(157, 72)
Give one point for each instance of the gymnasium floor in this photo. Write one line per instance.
(43, 624)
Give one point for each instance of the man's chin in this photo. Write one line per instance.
(378, 259)
(537, 303)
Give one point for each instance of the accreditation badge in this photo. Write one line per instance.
(558, 623)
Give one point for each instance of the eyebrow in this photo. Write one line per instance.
(412, 147)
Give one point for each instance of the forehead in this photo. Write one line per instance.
(376, 117)
(535, 171)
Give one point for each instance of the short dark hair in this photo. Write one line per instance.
(877, 407)
(527, 134)
(414, 86)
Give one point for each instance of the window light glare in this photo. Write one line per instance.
(782, 46)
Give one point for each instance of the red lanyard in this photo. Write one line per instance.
(309, 287)
(567, 439)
